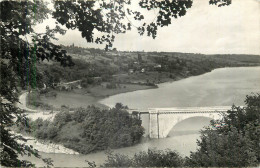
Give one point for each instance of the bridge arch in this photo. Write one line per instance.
(162, 120)
(190, 124)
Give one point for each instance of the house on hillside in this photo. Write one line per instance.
(69, 85)
(158, 66)
(111, 53)
(86, 52)
(130, 71)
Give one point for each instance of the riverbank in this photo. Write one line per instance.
(45, 146)
(93, 95)
(40, 145)
(84, 97)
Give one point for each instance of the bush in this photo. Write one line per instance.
(151, 158)
(111, 86)
(52, 131)
(62, 118)
(84, 83)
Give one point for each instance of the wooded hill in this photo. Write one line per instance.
(94, 66)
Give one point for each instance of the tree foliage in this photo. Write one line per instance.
(22, 47)
(91, 129)
(18, 57)
(232, 141)
(151, 158)
(112, 17)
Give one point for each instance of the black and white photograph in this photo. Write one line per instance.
(130, 83)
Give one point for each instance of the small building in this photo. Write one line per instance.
(131, 71)
(69, 85)
(85, 51)
(158, 66)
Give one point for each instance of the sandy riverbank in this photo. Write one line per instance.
(45, 146)
(41, 146)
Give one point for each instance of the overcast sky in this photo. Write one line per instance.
(207, 29)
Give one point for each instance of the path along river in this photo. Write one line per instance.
(221, 87)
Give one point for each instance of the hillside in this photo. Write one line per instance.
(147, 67)
(98, 74)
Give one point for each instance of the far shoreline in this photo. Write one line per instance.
(179, 79)
(93, 96)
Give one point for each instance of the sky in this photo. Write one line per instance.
(207, 29)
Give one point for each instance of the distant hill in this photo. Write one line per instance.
(91, 54)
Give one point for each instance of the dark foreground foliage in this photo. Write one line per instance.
(17, 68)
(151, 158)
(91, 129)
(230, 142)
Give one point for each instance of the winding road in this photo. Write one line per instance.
(22, 104)
(33, 114)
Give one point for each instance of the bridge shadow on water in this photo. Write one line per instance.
(189, 126)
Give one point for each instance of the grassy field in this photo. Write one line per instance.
(71, 99)
(90, 96)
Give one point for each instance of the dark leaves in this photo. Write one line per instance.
(110, 17)
(152, 30)
(220, 3)
(18, 59)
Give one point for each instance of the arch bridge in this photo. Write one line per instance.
(162, 120)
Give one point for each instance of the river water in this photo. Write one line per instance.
(221, 87)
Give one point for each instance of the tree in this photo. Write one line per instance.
(151, 158)
(232, 141)
(140, 60)
(112, 17)
(114, 49)
(17, 20)
(21, 45)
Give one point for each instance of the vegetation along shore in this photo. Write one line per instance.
(98, 74)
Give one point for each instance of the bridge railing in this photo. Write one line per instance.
(215, 109)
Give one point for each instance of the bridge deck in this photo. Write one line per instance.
(210, 109)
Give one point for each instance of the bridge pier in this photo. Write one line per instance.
(154, 128)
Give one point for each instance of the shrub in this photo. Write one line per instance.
(151, 158)
(111, 86)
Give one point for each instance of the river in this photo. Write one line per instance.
(221, 87)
